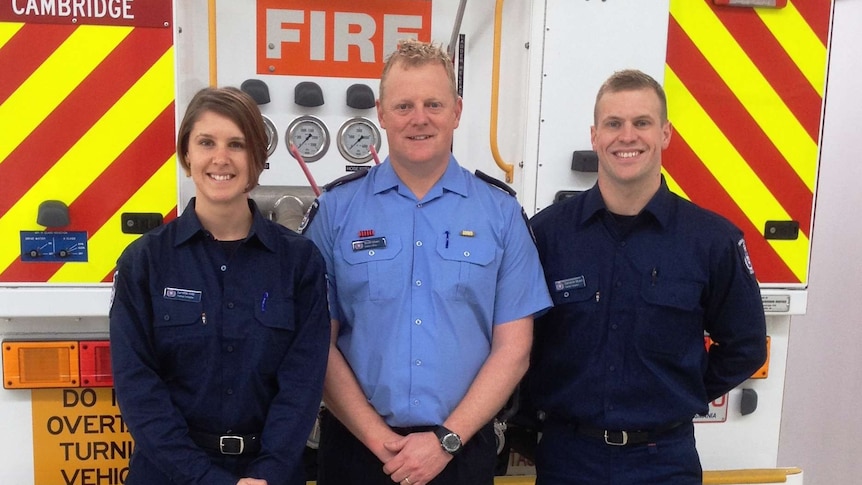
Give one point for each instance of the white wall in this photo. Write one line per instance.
(821, 427)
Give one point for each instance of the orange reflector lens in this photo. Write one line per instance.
(761, 373)
(96, 364)
(31, 365)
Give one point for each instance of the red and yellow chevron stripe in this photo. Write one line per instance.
(745, 91)
(87, 117)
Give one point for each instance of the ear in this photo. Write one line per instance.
(666, 134)
(184, 161)
(459, 106)
(380, 115)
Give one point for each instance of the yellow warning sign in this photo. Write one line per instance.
(79, 437)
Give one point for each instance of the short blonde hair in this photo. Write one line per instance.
(631, 80)
(415, 53)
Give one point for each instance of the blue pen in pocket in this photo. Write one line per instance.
(263, 301)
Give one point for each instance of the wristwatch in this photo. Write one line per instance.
(449, 440)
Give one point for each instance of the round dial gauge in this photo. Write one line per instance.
(310, 137)
(355, 139)
(271, 135)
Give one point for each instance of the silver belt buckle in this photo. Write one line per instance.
(625, 439)
(229, 440)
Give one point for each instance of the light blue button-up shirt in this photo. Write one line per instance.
(418, 285)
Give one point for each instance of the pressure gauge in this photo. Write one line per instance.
(271, 135)
(310, 137)
(355, 139)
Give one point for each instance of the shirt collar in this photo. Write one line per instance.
(189, 226)
(659, 206)
(452, 180)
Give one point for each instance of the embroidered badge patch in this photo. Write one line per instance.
(373, 243)
(182, 294)
(743, 253)
(570, 283)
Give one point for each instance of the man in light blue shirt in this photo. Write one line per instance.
(434, 281)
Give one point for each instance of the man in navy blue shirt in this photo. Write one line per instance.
(638, 275)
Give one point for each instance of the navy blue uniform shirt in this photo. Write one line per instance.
(623, 347)
(224, 344)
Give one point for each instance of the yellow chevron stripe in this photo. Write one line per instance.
(52, 82)
(108, 242)
(748, 84)
(7, 30)
(97, 149)
(673, 185)
(800, 42)
(731, 171)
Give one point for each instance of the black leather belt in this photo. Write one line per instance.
(622, 438)
(230, 444)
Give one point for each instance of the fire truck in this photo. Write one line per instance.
(91, 92)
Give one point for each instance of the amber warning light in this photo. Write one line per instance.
(32, 365)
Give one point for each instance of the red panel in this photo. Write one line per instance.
(738, 126)
(95, 363)
(26, 51)
(104, 197)
(84, 106)
(776, 66)
(698, 182)
(135, 13)
(817, 14)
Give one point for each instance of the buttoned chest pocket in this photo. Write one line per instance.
(270, 339)
(175, 323)
(672, 320)
(372, 273)
(467, 270)
(573, 316)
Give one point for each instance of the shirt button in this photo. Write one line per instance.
(612, 368)
(418, 282)
(371, 253)
(415, 402)
(618, 284)
(622, 244)
(166, 317)
(230, 304)
(230, 348)
(229, 391)
(614, 326)
(419, 244)
(223, 267)
(418, 362)
(418, 321)
(565, 294)
(419, 205)
(467, 254)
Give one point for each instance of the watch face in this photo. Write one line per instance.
(451, 442)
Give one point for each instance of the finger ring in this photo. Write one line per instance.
(406, 480)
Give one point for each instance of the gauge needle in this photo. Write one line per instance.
(358, 140)
(303, 141)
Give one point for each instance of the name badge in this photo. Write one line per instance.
(570, 283)
(181, 294)
(372, 243)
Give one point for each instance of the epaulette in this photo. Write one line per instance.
(496, 183)
(509, 190)
(345, 179)
(308, 216)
